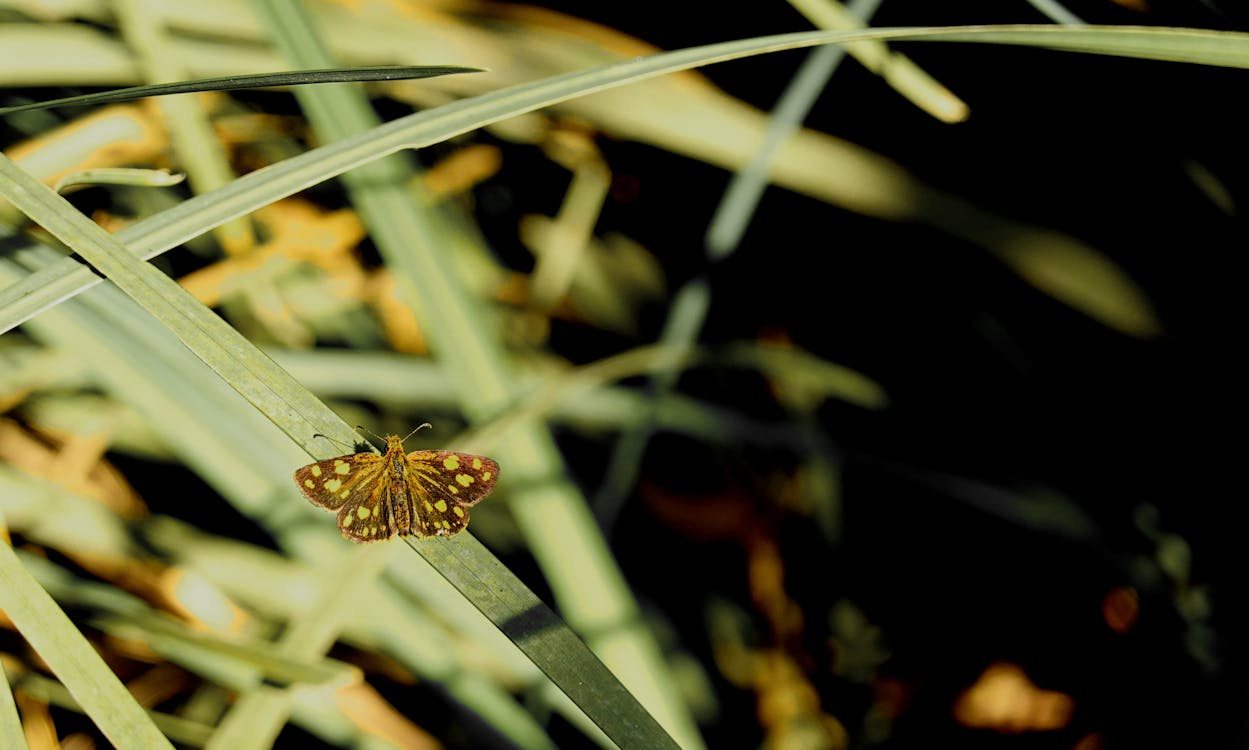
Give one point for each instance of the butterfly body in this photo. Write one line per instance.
(422, 493)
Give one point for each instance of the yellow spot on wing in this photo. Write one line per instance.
(429, 507)
(464, 479)
(342, 467)
(476, 463)
(362, 511)
(344, 494)
(441, 505)
(454, 490)
(451, 463)
(316, 471)
(457, 510)
(347, 520)
(309, 483)
(334, 485)
(485, 476)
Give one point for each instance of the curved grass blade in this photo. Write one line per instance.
(259, 80)
(55, 282)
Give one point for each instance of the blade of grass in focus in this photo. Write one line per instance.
(412, 241)
(218, 434)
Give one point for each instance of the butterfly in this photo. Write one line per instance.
(422, 493)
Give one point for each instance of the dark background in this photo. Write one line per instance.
(989, 380)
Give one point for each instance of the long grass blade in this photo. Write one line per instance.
(193, 217)
(259, 80)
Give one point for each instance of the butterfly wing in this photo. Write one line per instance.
(357, 487)
(442, 485)
(368, 516)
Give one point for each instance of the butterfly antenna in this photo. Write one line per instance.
(419, 427)
(327, 437)
(362, 428)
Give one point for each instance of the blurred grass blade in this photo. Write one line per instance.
(117, 176)
(257, 717)
(1056, 12)
(176, 728)
(11, 734)
(741, 198)
(260, 80)
(582, 398)
(72, 659)
(896, 70)
(235, 662)
(198, 215)
(224, 349)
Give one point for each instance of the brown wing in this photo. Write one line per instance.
(358, 487)
(334, 481)
(442, 485)
(367, 516)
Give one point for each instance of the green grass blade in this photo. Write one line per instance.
(272, 391)
(72, 659)
(193, 217)
(1226, 49)
(212, 430)
(414, 240)
(581, 398)
(11, 734)
(260, 713)
(177, 729)
(260, 80)
(242, 366)
(552, 645)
